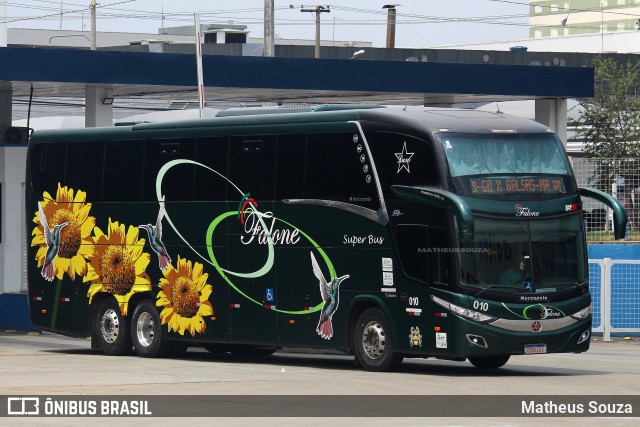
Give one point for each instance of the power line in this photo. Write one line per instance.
(59, 13)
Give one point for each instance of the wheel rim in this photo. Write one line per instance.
(110, 326)
(373, 340)
(145, 329)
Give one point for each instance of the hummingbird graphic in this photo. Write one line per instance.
(52, 239)
(330, 298)
(155, 238)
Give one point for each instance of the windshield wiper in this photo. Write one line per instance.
(578, 285)
(510, 287)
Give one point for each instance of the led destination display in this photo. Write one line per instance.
(531, 184)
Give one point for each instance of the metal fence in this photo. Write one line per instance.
(619, 177)
(615, 296)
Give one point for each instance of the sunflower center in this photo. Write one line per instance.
(118, 270)
(70, 236)
(185, 297)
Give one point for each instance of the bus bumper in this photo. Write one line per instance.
(486, 340)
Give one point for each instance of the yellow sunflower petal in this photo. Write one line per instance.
(93, 290)
(206, 293)
(205, 309)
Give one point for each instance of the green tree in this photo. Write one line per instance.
(609, 123)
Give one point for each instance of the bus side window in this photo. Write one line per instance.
(252, 161)
(290, 167)
(212, 152)
(85, 162)
(420, 252)
(403, 160)
(123, 166)
(48, 163)
(338, 168)
(177, 183)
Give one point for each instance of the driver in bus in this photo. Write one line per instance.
(518, 272)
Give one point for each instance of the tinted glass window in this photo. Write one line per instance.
(252, 166)
(290, 166)
(422, 252)
(123, 166)
(403, 160)
(338, 168)
(85, 165)
(177, 182)
(504, 154)
(545, 255)
(214, 154)
(47, 167)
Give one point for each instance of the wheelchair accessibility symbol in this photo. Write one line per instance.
(269, 296)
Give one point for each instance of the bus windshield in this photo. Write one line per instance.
(516, 256)
(493, 165)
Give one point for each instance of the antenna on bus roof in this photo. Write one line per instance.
(498, 107)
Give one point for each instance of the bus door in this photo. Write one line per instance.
(424, 256)
(251, 249)
(210, 195)
(298, 289)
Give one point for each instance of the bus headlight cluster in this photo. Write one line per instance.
(463, 312)
(584, 313)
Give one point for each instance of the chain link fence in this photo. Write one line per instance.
(618, 177)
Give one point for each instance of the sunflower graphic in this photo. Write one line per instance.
(118, 264)
(184, 296)
(75, 245)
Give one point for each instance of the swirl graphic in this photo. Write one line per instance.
(247, 206)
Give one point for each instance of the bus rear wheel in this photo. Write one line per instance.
(373, 347)
(146, 331)
(112, 329)
(489, 362)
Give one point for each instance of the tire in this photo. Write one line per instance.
(146, 331)
(112, 329)
(372, 340)
(489, 362)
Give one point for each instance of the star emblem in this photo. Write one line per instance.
(404, 158)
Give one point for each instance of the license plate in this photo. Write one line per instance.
(535, 348)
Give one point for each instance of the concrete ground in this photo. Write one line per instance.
(51, 365)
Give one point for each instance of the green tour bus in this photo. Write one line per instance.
(380, 232)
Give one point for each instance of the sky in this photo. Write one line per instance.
(420, 23)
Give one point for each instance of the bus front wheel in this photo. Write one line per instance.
(146, 331)
(489, 362)
(373, 347)
(112, 329)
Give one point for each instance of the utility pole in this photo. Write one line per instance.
(3, 23)
(318, 10)
(93, 24)
(391, 25)
(269, 43)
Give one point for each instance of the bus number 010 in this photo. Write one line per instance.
(414, 301)
(482, 306)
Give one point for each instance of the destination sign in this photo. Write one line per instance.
(535, 184)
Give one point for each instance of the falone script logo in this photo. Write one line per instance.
(524, 211)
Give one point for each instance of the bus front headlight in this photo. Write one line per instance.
(584, 313)
(463, 312)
